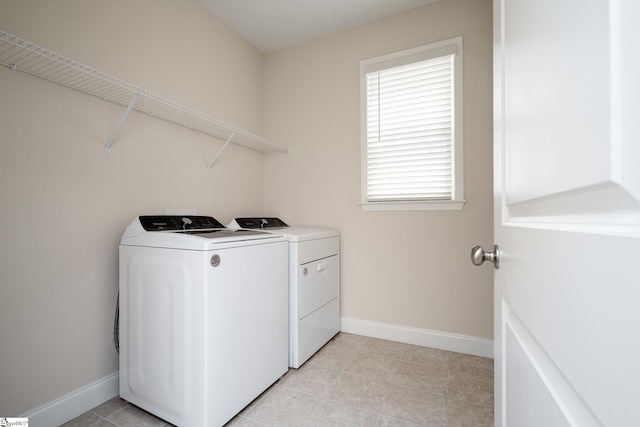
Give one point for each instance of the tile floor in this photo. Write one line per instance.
(355, 381)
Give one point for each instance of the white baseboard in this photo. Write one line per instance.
(423, 337)
(75, 403)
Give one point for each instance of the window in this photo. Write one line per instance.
(412, 129)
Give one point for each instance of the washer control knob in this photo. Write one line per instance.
(186, 221)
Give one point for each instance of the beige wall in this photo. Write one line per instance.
(64, 204)
(58, 283)
(402, 268)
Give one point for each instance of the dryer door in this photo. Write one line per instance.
(319, 284)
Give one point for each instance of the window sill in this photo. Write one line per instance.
(433, 205)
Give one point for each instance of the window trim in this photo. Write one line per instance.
(430, 51)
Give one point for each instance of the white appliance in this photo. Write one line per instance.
(314, 284)
(203, 317)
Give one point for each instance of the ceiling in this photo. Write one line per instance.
(270, 25)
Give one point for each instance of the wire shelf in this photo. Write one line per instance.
(21, 55)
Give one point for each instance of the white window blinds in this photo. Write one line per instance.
(409, 131)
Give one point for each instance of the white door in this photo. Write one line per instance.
(567, 212)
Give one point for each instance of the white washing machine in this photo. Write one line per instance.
(203, 317)
(314, 284)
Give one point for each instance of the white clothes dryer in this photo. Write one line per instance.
(314, 283)
(203, 317)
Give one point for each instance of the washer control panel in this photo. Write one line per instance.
(178, 222)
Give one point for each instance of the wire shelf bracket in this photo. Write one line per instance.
(21, 55)
(220, 151)
(107, 148)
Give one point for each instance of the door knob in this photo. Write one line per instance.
(479, 256)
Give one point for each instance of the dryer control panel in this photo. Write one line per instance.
(260, 222)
